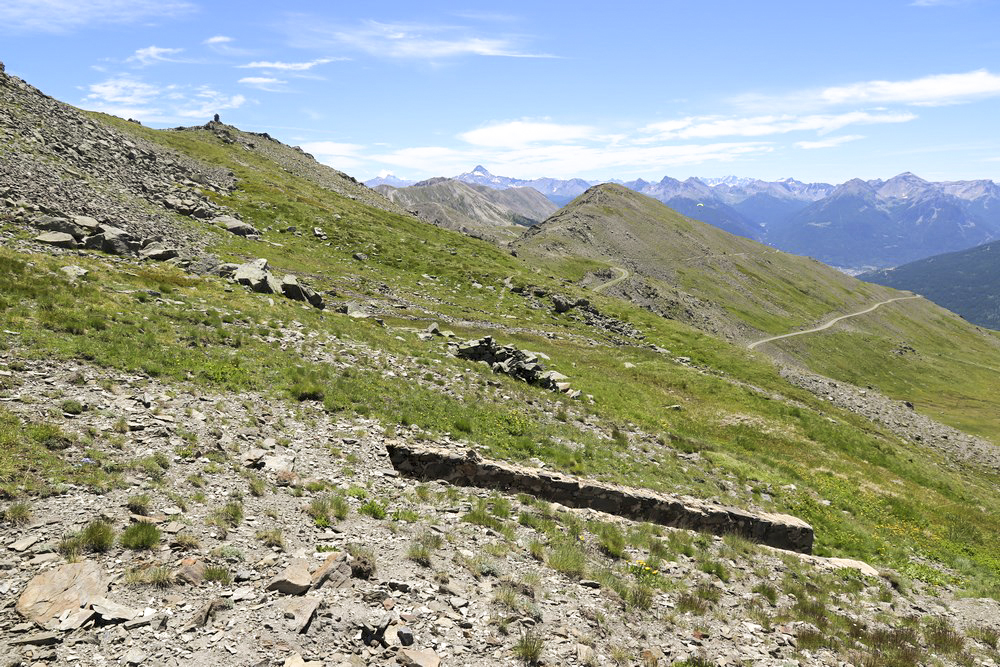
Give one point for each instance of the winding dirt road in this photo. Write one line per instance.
(829, 324)
(622, 275)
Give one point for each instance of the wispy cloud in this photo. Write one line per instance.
(828, 143)
(224, 45)
(934, 90)
(931, 90)
(266, 83)
(711, 127)
(151, 55)
(938, 3)
(57, 16)
(523, 133)
(410, 41)
(130, 97)
(288, 67)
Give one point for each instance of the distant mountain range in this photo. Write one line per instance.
(857, 225)
(965, 282)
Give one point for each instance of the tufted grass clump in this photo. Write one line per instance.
(423, 546)
(17, 514)
(158, 576)
(610, 540)
(567, 557)
(98, 536)
(140, 504)
(528, 648)
(273, 538)
(374, 509)
(140, 536)
(219, 574)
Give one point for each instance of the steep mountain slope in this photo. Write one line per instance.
(965, 282)
(691, 270)
(878, 224)
(477, 210)
(161, 426)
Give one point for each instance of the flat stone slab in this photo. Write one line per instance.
(781, 531)
(65, 588)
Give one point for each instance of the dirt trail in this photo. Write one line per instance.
(622, 275)
(829, 324)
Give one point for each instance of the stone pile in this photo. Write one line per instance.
(80, 231)
(517, 363)
(468, 469)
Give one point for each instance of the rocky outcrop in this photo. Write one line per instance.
(509, 360)
(257, 276)
(776, 530)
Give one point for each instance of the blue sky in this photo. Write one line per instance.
(821, 91)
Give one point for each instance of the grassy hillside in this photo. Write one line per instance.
(757, 288)
(705, 418)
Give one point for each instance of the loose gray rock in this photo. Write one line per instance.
(294, 580)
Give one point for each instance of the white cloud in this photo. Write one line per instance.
(522, 133)
(711, 127)
(267, 83)
(130, 97)
(58, 16)
(934, 90)
(288, 67)
(931, 90)
(565, 161)
(218, 39)
(153, 54)
(828, 143)
(336, 155)
(206, 102)
(414, 41)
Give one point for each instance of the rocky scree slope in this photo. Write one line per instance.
(281, 536)
(60, 162)
(476, 210)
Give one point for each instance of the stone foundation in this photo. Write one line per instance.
(468, 469)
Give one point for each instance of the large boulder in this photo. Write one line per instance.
(66, 588)
(235, 226)
(293, 289)
(257, 277)
(158, 251)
